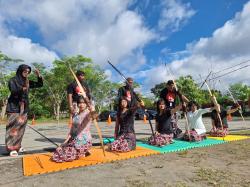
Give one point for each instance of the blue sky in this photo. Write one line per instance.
(138, 36)
(208, 17)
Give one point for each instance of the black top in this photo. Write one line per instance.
(129, 94)
(169, 97)
(126, 121)
(164, 123)
(17, 94)
(74, 90)
(223, 115)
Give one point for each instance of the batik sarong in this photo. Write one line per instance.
(80, 140)
(14, 131)
(124, 143)
(161, 139)
(219, 132)
(194, 137)
(70, 151)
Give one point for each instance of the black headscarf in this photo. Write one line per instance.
(19, 77)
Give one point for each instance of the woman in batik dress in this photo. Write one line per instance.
(79, 140)
(217, 130)
(163, 129)
(125, 139)
(18, 107)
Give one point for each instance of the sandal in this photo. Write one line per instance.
(21, 150)
(13, 153)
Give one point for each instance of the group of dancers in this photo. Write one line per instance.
(82, 112)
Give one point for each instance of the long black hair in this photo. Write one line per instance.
(80, 99)
(191, 103)
(119, 104)
(158, 103)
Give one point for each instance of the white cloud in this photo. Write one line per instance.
(99, 29)
(116, 41)
(174, 15)
(228, 46)
(24, 48)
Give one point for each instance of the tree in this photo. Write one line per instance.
(190, 89)
(157, 89)
(149, 102)
(39, 106)
(5, 74)
(60, 76)
(240, 91)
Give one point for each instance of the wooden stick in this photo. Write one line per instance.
(88, 105)
(37, 159)
(216, 104)
(185, 115)
(236, 102)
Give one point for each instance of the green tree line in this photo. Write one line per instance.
(51, 100)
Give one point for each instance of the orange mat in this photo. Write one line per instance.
(41, 163)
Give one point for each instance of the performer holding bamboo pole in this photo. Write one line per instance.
(216, 126)
(169, 95)
(163, 128)
(90, 107)
(18, 107)
(237, 104)
(78, 142)
(197, 128)
(73, 91)
(125, 139)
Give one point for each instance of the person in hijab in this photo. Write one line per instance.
(18, 107)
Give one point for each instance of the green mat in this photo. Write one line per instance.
(108, 140)
(179, 145)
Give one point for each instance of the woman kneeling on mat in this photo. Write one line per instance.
(217, 130)
(78, 142)
(124, 128)
(163, 129)
(197, 130)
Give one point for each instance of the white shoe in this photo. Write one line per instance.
(21, 150)
(13, 153)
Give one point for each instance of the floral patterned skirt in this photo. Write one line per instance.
(124, 143)
(219, 132)
(14, 131)
(70, 152)
(161, 139)
(194, 137)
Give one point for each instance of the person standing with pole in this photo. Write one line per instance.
(18, 107)
(169, 95)
(73, 91)
(127, 91)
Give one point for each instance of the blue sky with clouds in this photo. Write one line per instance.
(139, 36)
